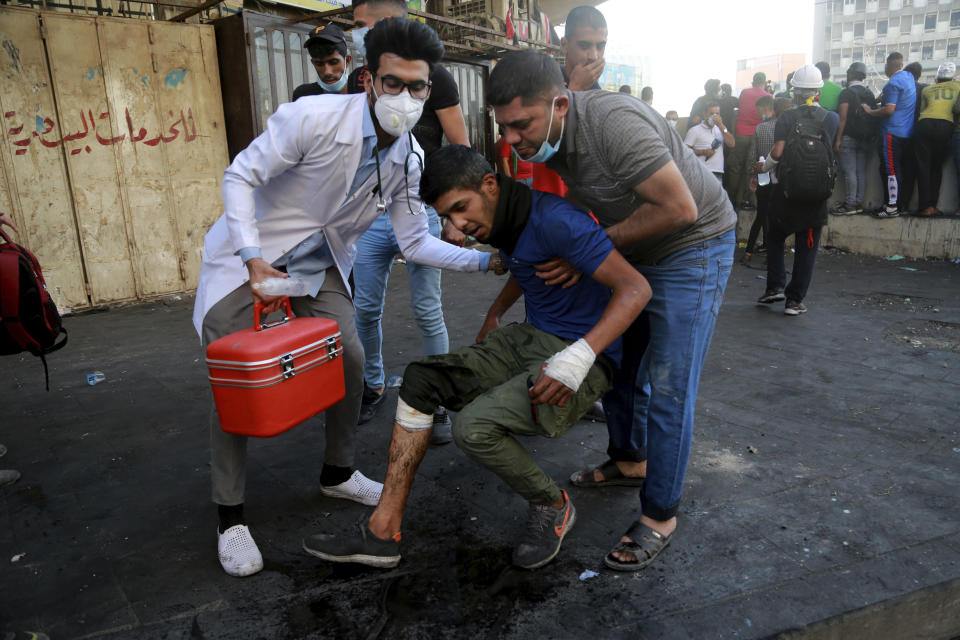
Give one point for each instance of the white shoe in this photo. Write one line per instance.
(358, 488)
(239, 555)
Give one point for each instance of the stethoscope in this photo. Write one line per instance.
(381, 206)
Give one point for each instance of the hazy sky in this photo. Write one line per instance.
(690, 41)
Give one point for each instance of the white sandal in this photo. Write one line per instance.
(358, 488)
(239, 555)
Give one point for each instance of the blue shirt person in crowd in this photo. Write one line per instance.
(898, 102)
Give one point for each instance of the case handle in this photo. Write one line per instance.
(258, 309)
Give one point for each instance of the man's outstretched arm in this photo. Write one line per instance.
(631, 293)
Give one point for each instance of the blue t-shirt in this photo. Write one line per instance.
(557, 228)
(901, 90)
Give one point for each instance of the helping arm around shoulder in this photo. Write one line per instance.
(667, 206)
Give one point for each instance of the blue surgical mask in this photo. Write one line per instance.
(357, 35)
(547, 150)
(763, 117)
(336, 87)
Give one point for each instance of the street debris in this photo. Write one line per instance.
(17, 557)
(752, 449)
(895, 256)
(588, 575)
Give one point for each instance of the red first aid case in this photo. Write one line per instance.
(271, 377)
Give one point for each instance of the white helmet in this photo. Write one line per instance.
(807, 77)
(946, 71)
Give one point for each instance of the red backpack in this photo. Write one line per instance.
(29, 320)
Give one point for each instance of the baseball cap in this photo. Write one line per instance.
(327, 34)
(947, 70)
(759, 77)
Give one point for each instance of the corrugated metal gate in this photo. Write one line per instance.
(113, 150)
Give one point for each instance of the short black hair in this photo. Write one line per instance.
(726, 89)
(894, 55)
(764, 102)
(397, 4)
(646, 93)
(673, 112)
(528, 74)
(711, 86)
(583, 16)
(824, 69)
(625, 88)
(915, 68)
(324, 49)
(452, 167)
(709, 104)
(780, 105)
(409, 39)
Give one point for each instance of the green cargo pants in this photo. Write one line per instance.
(488, 383)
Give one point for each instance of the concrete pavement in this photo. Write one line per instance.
(821, 501)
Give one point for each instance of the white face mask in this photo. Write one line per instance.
(397, 114)
(673, 123)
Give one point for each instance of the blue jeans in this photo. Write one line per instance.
(376, 249)
(650, 409)
(853, 162)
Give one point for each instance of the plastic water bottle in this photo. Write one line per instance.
(763, 179)
(283, 287)
(95, 378)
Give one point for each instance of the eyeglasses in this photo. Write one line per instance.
(394, 86)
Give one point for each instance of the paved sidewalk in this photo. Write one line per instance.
(822, 496)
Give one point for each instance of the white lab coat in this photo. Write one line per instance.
(293, 180)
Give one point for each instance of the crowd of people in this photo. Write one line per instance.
(908, 126)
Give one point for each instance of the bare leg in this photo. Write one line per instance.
(407, 449)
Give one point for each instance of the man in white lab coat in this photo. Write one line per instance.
(295, 201)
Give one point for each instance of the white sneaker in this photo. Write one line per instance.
(358, 488)
(239, 555)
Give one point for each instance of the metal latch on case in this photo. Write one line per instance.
(332, 347)
(286, 365)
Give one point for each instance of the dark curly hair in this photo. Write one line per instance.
(409, 39)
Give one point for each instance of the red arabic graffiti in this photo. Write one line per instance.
(45, 126)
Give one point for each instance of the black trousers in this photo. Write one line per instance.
(931, 144)
(760, 222)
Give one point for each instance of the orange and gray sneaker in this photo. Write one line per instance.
(546, 528)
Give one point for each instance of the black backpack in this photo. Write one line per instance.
(860, 126)
(808, 169)
(29, 320)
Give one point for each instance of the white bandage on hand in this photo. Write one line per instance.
(571, 365)
(769, 164)
(411, 419)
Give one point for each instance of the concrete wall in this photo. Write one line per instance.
(908, 236)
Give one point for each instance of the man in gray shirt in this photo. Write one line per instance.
(672, 220)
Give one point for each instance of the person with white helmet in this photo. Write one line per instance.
(938, 104)
(803, 218)
(899, 100)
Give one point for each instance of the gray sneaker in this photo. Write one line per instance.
(772, 295)
(546, 528)
(358, 545)
(794, 308)
(442, 428)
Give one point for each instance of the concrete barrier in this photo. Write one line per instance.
(909, 236)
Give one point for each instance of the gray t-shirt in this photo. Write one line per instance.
(612, 143)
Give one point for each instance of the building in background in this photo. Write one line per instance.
(847, 31)
(633, 71)
(776, 68)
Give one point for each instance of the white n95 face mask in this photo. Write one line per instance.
(397, 114)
